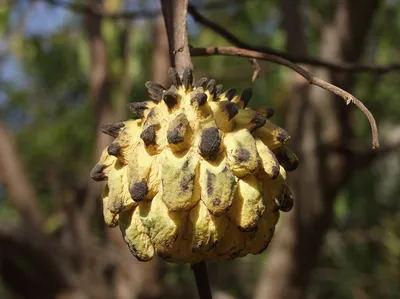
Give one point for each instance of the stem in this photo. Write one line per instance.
(175, 17)
(175, 14)
(203, 285)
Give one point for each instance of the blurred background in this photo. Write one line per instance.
(66, 67)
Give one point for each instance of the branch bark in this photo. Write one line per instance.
(201, 276)
(175, 13)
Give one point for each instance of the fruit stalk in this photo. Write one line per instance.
(175, 17)
(201, 276)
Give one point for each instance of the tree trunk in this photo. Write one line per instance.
(319, 123)
(21, 193)
(127, 275)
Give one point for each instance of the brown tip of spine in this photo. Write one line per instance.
(170, 98)
(155, 90)
(112, 129)
(230, 93)
(139, 190)
(283, 136)
(257, 122)
(286, 200)
(149, 135)
(138, 108)
(97, 174)
(187, 78)
(200, 98)
(114, 149)
(232, 109)
(245, 96)
(268, 112)
(177, 129)
(210, 142)
(275, 171)
(218, 90)
(288, 163)
(174, 77)
(211, 86)
(200, 83)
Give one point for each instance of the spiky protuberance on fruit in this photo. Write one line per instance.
(198, 176)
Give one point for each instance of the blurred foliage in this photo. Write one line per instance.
(45, 103)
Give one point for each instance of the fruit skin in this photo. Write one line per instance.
(179, 189)
(220, 186)
(135, 235)
(248, 206)
(198, 176)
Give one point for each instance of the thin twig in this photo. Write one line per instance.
(203, 285)
(348, 98)
(257, 70)
(233, 39)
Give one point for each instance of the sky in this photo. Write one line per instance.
(42, 19)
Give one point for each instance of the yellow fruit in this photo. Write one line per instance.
(135, 235)
(198, 176)
(248, 206)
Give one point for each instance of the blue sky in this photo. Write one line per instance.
(43, 19)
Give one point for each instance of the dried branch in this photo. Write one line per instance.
(343, 67)
(348, 98)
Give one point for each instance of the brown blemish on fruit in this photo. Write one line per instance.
(139, 190)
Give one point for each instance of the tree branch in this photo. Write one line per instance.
(175, 13)
(343, 67)
(175, 17)
(203, 285)
(348, 98)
